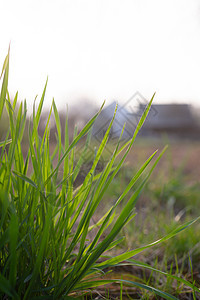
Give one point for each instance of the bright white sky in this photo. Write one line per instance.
(102, 49)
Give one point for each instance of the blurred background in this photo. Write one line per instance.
(96, 50)
(118, 51)
(113, 50)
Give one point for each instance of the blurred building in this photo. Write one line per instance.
(175, 120)
(122, 117)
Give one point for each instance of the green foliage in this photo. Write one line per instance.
(46, 249)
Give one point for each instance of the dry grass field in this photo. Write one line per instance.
(185, 154)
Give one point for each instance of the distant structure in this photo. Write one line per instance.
(176, 120)
(122, 116)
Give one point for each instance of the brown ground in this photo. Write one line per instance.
(182, 154)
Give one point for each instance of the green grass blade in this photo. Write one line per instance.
(4, 86)
(129, 144)
(150, 289)
(46, 127)
(7, 289)
(39, 110)
(123, 218)
(5, 64)
(25, 178)
(15, 100)
(6, 142)
(82, 156)
(90, 211)
(66, 162)
(58, 127)
(139, 126)
(97, 283)
(13, 234)
(129, 254)
(41, 252)
(146, 266)
(81, 134)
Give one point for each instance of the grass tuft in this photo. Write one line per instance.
(46, 249)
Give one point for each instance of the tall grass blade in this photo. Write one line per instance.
(13, 235)
(4, 143)
(39, 110)
(75, 141)
(4, 86)
(129, 254)
(7, 289)
(96, 283)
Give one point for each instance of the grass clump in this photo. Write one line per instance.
(49, 248)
